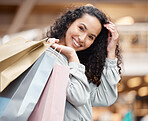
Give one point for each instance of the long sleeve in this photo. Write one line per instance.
(106, 93)
(78, 87)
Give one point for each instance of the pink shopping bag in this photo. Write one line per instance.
(51, 105)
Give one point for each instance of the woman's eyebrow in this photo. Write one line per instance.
(94, 35)
(86, 29)
(84, 25)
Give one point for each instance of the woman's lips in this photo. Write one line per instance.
(76, 44)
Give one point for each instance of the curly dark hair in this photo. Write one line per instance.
(93, 57)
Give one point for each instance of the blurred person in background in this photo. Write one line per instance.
(123, 109)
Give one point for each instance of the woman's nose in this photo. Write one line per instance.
(82, 38)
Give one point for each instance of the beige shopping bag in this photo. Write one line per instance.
(16, 56)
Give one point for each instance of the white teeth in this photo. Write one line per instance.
(76, 43)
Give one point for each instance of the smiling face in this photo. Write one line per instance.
(82, 32)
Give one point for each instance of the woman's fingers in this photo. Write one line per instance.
(112, 29)
(57, 47)
(52, 40)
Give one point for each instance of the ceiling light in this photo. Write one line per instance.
(134, 82)
(146, 78)
(127, 20)
(143, 91)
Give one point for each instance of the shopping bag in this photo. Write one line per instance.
(23, 102)
(16, 56)
(51, 104)
(7, 93)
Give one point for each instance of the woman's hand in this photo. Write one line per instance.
(112, 40)
(52, 40)
(65, 50)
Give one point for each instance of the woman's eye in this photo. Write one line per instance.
(91, 37)
(81, 28)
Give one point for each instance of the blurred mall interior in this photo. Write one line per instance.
(31, 19)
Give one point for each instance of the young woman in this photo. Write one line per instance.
(88, 43)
